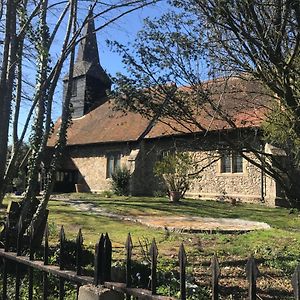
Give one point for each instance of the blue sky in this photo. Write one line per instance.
(123, 30)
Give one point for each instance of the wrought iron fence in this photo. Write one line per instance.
(103, 268)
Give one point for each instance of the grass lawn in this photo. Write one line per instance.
(276, 250)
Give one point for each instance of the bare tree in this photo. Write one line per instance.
(256, 41)
(37, 37)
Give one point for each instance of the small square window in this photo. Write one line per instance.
(231, 162)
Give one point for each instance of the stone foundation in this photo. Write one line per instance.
(91, 292)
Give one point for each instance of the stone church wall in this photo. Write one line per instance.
(249, 186)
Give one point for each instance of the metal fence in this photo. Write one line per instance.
(103, 268)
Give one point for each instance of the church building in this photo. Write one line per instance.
(102, 139)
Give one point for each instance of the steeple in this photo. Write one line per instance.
(90, 81)
(88, 48)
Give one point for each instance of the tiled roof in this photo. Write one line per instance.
(242, 101)
(103, 125)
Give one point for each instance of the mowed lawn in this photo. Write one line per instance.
(283, 239)
(276, 249)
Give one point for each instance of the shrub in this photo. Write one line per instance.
(120, 181)
(174, 169)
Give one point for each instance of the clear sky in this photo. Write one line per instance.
(123, 30)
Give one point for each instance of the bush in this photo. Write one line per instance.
(174, 169)
(120, 181)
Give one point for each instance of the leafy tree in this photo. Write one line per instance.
(257, 41)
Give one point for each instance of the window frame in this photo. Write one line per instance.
(113, 161)
(231, 162)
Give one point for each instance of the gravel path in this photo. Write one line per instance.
(175, 223)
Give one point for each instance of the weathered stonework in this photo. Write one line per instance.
(249, 186)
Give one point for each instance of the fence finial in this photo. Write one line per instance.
(215, 270)
(79, 242)
(62, 239)
(182, 265)
(153, 255)
(252, 274)
(107, 258)
(128, 247)
(98, 276)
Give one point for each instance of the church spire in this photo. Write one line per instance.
(91, 84)
(88, 49)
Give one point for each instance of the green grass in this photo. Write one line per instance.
(276, 217)
(93, 225)
(284, 235)
(276, 249)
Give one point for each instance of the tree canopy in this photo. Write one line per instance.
(257, 41)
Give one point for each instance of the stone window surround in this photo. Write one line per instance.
(219, 168)
(115, 157)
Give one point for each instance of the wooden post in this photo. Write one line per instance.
(182, 265)
(153, 255)
(46, 262)
(62, 239)
(107, 258)
(215, 272)
(252, 274)
(296, 282)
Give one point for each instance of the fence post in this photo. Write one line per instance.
(215, 271)
(182, 266)
(46, 261)
(128, 247)
(296, 282)
(79, 242)
(107, 258)
(98, 276)
(252, 273)
(153, 255)
(62, 239)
